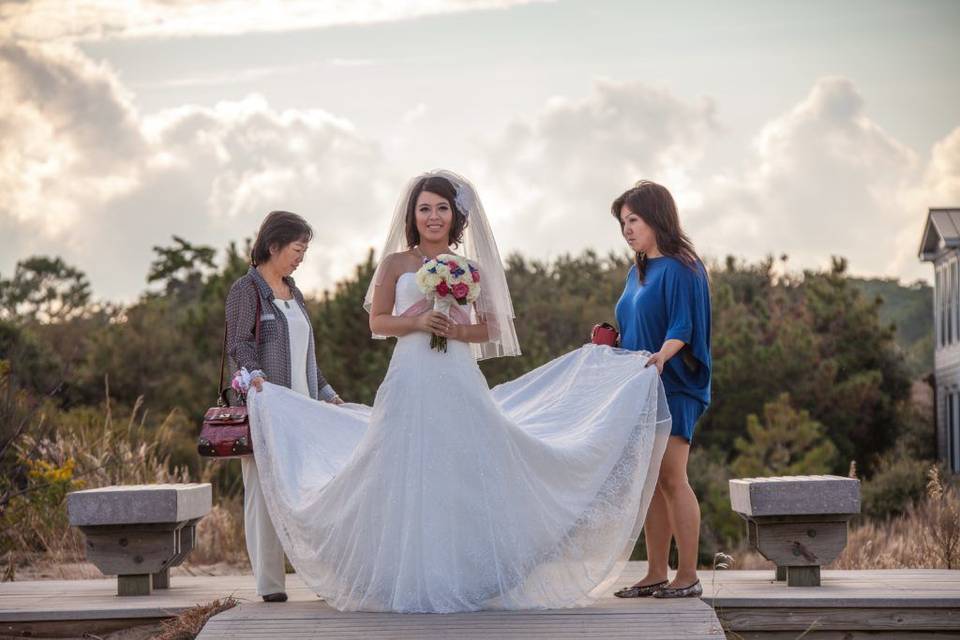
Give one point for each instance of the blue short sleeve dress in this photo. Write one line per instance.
(673, 302)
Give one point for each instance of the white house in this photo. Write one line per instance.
(941, 246)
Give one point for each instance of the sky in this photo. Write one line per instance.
(808, 129)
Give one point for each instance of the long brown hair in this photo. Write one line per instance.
(654, 204)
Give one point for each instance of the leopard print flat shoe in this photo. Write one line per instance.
(693, 591)
(645, 591)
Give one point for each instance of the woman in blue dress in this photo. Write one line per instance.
(665, 309)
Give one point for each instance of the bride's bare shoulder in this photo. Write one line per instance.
(400, 262)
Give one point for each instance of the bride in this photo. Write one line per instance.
(446, 495)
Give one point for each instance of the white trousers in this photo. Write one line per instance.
(263, 545)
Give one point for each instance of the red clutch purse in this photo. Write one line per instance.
(604, 333)
(226, 430)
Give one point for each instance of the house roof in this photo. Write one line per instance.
(941, 232)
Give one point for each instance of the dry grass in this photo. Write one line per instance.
(220, 534)
(89, 448)
(926, 536)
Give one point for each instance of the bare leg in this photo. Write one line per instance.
(682, 508)
(656, 530)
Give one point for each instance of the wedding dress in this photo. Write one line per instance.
(449, 496)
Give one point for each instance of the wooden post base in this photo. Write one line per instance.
(803, 576)
(133, 585)
(161, 579)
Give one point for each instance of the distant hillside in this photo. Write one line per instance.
(910, 308)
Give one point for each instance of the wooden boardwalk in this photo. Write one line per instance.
(850, 604)
(912, 604)
(609, 620)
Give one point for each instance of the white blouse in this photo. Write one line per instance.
(299, 331)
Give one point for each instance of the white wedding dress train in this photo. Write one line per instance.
(447, 496)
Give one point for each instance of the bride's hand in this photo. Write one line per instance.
(433, 322)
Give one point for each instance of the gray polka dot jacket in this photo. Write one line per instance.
(272, 354)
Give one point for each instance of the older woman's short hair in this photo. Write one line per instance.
(279, 229)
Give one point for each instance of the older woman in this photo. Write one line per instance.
(284, 355)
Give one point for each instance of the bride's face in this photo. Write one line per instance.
(434, 217)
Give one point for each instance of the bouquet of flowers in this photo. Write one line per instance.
(448, 279)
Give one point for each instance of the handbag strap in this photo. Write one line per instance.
(221, 391)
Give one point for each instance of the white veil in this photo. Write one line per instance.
(494, 305)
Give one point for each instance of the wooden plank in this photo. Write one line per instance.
(608, 606)
(842, 635)
(662, 619)
(803, 576)
(800, 544)
(841, 619)
(97, 599)
(161, 579)
(133, 585)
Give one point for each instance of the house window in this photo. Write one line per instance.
(949, 296)
(950, 422)
(955, 297)
(938, 311)
(944, 304)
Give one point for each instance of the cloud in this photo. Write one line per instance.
(823, 179)
(61, 115)
(85, 176)
(819, 180)
(938, 187)
(47, 20)
(553, 177)
(941, 181)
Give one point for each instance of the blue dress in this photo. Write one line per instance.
(672, 303)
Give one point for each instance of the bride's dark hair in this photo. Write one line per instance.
(654, 204)
(444, 188)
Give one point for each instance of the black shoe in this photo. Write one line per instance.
(695, 590)
(645, 591)
(275, 597)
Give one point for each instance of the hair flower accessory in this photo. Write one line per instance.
(464, 199)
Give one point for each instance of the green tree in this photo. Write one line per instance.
(350, 360)
(31, 363)
(44, 289)
(787, 442)
(181, 266)
(556, 304)
(815, 336)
